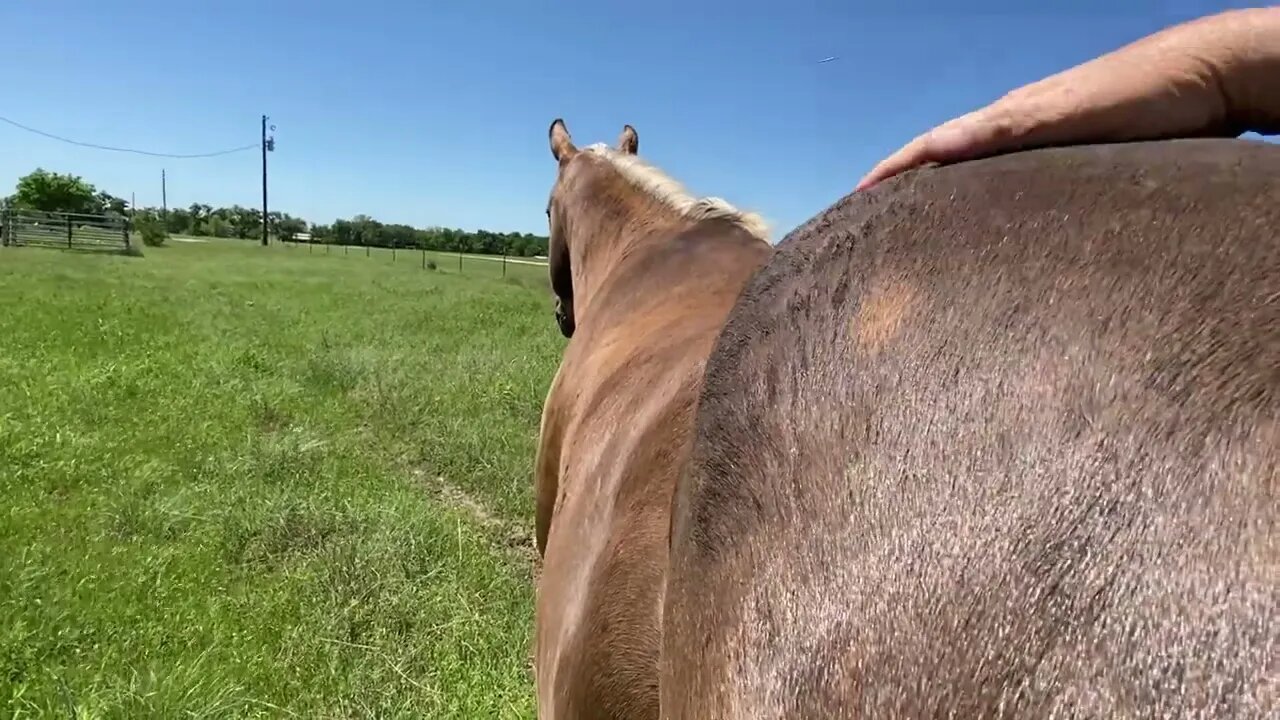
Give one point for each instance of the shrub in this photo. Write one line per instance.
(431, 264)
(153, 233)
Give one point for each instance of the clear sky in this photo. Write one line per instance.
(436, 113)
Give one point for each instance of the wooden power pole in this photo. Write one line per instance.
(264, 180)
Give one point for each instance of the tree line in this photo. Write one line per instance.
(47, 191)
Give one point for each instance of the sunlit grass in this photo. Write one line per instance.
(230, 478)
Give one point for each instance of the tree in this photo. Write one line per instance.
(287, 226)
(109, 204)
(218, 227)
(44, 190)
(179, 221)
(245, 222)
(199, 216)
(55, 192)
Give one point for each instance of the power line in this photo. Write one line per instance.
(123, 149)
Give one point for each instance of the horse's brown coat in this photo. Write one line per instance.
(998, 439)
(643, 291)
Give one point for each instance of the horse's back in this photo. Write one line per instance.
(996, 439)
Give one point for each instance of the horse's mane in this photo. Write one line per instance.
(671, 193)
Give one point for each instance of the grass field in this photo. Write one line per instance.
(248, 482)
(471, 265)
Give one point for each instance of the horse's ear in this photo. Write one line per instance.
(629, 141)
(561, 144)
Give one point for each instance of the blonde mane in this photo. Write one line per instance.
(671, 193)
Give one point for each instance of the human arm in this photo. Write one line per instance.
(1214, 76)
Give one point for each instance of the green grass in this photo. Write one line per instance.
(247, 482)
(518, 270)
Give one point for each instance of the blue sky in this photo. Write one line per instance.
(435, 113)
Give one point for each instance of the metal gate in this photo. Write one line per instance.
(70, 231)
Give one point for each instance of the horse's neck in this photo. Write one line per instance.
(615, 245)
(689, 256)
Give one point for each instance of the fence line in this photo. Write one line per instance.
(426, 257)
(81, 231)
(70, 231)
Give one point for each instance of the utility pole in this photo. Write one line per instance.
(264, 180)
(164, 199)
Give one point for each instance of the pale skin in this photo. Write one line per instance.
(1216, 76)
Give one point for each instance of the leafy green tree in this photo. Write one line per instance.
(218, 226)
(111, 205)
(56, 192)
(245, 222)
(199, 218)
(287, 225)
(178, 221)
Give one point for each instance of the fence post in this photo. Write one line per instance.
(326, 248)
(504, 264)
(393, 250)
(124, 230)
(459, 262)
(69, 231)
(424, 258)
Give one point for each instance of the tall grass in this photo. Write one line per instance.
(246, 482)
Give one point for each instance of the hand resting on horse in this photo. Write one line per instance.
(1216, 76)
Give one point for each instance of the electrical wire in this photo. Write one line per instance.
(124, 149)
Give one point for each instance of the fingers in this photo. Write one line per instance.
(978, 133)
(907, 157)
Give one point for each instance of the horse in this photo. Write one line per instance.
(996, 439)
(643, 275)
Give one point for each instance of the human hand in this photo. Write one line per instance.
(1214, 76)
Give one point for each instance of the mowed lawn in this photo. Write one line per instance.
(248, 482)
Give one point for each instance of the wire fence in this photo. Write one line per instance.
(515, 268)
(71, 231)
